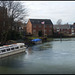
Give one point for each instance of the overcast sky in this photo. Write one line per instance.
(53, 10)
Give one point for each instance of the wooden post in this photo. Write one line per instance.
(44, 29)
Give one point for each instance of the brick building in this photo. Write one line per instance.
(65, 29)
(34, 26)
(72, 27)
(19, 26)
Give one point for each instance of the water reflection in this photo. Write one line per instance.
(13, 61)
(29, 51)
(64, 39)
(45, 47)
(41, 47)
(18, 60)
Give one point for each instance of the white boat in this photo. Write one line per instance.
(7, 50)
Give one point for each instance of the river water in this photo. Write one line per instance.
(53, 57)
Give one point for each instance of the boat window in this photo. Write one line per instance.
(16, 47)
(12, 48)
(0, 48)
(21, 46)
(8, 49)
(3, 50)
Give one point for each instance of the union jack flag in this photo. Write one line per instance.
(43, 22)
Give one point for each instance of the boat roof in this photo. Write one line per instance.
(1, 48)
(12, 45)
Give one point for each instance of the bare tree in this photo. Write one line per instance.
(15, 12)
(4, 22)
(59, 22)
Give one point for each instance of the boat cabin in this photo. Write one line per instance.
(12, 47)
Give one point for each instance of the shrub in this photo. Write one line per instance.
(13, 35)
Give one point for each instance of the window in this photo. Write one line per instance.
(21, 46)
(72, 30)
(45, 26)
(33, 21)
(49, 30)
(8, 49)
(45, 30)
(19, 27)
(58, 30)
(34, 31)
(34, 26)
(50, 26)
(39, 26)
(12, 48)
(3, 50)
(16, 47)
(12, 28)
(38, 21)
(68, 32)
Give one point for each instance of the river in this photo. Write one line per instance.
(53, 57)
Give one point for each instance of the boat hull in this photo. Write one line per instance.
(13, 52)
(38, 42)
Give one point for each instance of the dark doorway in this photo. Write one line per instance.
(40, 33)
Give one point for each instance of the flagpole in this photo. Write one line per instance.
(44, 29)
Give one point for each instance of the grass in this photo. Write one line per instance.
(34, 37)
(49, 39)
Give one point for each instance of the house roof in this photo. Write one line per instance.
(38, 21)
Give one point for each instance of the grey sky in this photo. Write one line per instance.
(53, 10)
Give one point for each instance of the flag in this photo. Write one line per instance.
(43, 22)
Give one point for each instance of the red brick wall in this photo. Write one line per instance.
(48, 29)
(67, 31)
(29, 27)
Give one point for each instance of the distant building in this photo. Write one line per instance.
(65, 29)
(72, 27)
(19, 26)
(62, 28)
(34, 26)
